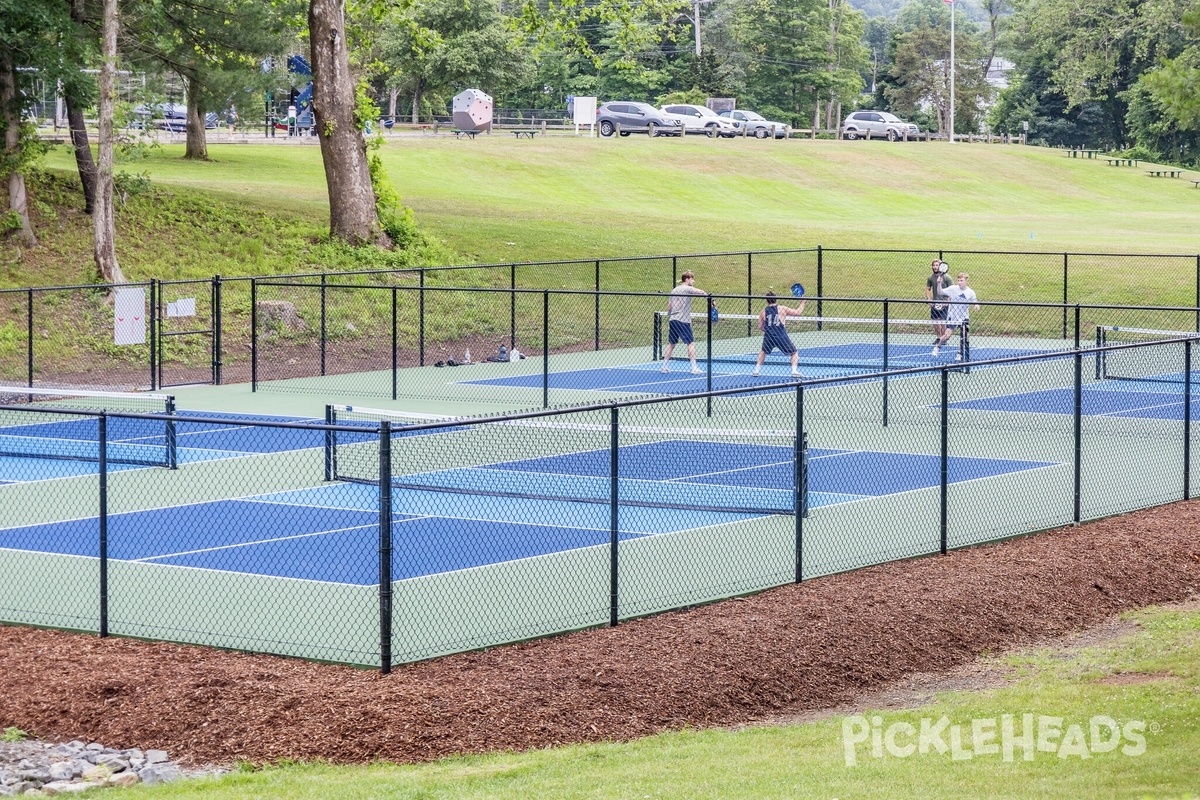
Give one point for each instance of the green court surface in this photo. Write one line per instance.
(479, 577)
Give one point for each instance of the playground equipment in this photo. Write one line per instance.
(472, 111)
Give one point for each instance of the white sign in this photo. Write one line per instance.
(183, 307)
(585, 111)
(129, 316)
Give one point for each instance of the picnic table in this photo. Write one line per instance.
(1122, 162)
(1196, 184)
(1164, 173)
(528, 133)
(1082, 153)
(459, 133)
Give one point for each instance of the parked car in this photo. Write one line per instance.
(880, 124)
(702, 119)
(756, 125)
(167, 117)
(629, 117)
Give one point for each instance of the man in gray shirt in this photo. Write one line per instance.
(679, 313)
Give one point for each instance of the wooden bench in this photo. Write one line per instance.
(528, 133)
(1122, 162)
(1081, 153)
(1164, 173)
(459, 133)
(1196, 184)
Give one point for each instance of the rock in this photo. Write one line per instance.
(97, 773)
(62, 771)
(123, 779)
(283, 312)
(155, 756)
(160, 773)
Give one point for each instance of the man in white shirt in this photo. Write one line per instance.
(961, 298)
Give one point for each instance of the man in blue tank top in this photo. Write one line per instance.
(772, 322)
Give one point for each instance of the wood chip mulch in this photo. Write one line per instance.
(786, 651)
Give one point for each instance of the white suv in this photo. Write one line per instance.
(879, 124)
(702, 119)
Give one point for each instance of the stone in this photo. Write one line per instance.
(283, 312)
(123, 779)
(156, 756)
(62, 771)
(160, 773)
(97, 773)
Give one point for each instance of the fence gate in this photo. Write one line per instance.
(187, 319)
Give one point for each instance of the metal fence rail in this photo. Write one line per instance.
(201, 330)
(369, 543)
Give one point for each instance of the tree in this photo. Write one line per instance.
(352, 214)
(103, 228)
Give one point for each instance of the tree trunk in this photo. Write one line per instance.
(12, 146)
(78, 128)
(197, 144)
(393, 94)
(352, 215)
(83, 152)
(416, 107)
(103, 228)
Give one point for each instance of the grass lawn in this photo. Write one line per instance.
(1147, 681)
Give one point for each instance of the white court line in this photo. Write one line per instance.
(218, 548)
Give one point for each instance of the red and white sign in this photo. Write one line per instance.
(129, 316)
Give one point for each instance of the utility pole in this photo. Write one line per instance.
(952, 10)
(696, 21)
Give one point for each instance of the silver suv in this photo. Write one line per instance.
(879, 124)
(629, 117)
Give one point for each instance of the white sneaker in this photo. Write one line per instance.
(666, 369)
(936, 350)
(958, 356)
(755, 373)
(797, 375)
(697, 371)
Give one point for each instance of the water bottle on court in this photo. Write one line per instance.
(467, 356)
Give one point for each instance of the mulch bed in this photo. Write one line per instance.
(794, 649)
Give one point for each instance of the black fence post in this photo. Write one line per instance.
(1078, 434)
(614, 514)
(217, 323)
(421, 320)
(545, 349)
(708, 333)
(1065, 296)
(324, 317)
(153, 320)
(820, 283)
(597, 305)
(1187, 420)
(395, 348)
(801, 481)
(512, 306)
(886, 312)
(674, 271)
(944, 523)
(253, 334)
(102, 440)
(749, 292)
(385, 546)
(1198, 291)
(1077, 331)
(29, 335)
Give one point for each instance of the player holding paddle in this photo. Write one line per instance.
(679, 314)
(772, 322)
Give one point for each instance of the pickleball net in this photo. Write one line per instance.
(64, 424)
(550, 459)
(855, 344)
(1162, 365)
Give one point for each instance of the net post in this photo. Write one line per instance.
(597, 305)
(1077, 422)
(656, 337)
(749, 291)
(395, 345)
(1187, 419)
(330, 443)
(964, 344)
(545, 349)
(324, 322)
(944, 469)
(172, 455)
(217, 320)
(1198, 292)
(1099, 352)
(253, 334)
(102, 437)
(29, 336)
(512, 306)
(385, 546)
(674, 271)
(1077, 340)
(421, 319)
(614, 515)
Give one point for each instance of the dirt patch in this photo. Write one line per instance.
(885, 636)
